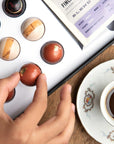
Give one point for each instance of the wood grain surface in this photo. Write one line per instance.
(79, 136)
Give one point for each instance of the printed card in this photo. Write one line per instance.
(85, 19)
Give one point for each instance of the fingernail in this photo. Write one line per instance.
(44, 76)
(69, 87)
(73, 107)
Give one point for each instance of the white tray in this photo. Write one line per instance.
(74, 56)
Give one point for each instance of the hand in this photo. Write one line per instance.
(25, 128)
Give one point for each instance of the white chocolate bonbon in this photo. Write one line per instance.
(33, 29)
(9, 48)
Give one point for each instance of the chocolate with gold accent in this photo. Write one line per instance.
(14, 8)
(9, 48)
(29, 74)
(33, 29)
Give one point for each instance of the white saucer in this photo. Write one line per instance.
(88, 103)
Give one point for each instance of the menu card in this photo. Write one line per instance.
(85, 19)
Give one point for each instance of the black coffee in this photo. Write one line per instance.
(110, 103)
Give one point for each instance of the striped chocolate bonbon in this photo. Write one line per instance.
(9, 48)
(33, 29)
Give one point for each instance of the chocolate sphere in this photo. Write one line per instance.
(10, 95)
(52, 52)
(14, 8)
(33, 29)
(9, 48)
(29, 74)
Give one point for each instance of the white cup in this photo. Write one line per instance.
(104, 105)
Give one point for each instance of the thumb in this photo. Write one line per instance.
(7, 85)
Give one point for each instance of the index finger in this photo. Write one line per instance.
(57, 124)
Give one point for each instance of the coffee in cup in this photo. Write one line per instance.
(107, 103)
(110, 103)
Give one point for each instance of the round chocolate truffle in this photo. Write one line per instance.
(52, 52)
(29, 74)
(10, 95)
(33, 29)
(14, 8)
(9, 48)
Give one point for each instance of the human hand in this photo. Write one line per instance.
(25, 128)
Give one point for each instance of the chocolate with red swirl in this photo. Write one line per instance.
(14, 8)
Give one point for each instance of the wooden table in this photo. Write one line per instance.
(79, 136)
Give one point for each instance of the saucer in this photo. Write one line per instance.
(88, 103)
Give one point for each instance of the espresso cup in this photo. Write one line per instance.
(107, 103)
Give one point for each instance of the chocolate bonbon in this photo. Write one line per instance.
(33, 29)
(14, 8)
(29, 74)
(11, 95)
(9, 48)
(52, 52)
